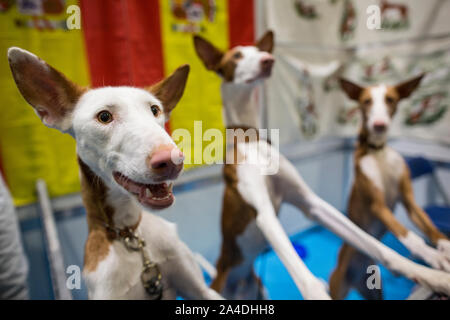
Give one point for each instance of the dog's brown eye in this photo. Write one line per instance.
(366, 102)
(104, 116)
(237, 55)
(389, 100)
(155, 110)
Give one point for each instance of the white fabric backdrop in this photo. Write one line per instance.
(317, 40)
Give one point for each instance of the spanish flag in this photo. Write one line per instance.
(117, 42)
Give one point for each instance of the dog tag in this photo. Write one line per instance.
(133, 243)
(151, 279)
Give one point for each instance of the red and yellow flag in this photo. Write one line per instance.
(121, 42)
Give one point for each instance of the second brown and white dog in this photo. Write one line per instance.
(252, 199)
(381, 179)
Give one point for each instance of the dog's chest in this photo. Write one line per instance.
(384, 168)
(118, 276)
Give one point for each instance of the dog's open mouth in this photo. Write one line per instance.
(156, 196)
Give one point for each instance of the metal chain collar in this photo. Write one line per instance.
(151, 275)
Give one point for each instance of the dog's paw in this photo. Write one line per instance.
(419, 248)
(317, 290)
(437, 259)
(443, 246)
(436, 280)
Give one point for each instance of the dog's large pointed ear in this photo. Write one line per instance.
(170, 90)
(405, 89)
(352, 90)
(208, 53)
(266, 42)
(51, 94)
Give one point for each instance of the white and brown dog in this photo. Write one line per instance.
(381, 179)
(127, 161)
(252, 200)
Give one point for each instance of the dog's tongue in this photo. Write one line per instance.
(159, 190)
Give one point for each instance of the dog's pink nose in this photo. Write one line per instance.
(167, 162)
(267, 63)
(379, 126)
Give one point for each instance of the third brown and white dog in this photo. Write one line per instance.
(382, 178)
(252, 199)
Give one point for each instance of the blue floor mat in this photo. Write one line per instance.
(321, 249)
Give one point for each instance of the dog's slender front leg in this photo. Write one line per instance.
(420, 218)
(308, 284)
(375, 204)
(415, 244)
(253, 189)
(299, 194)
(188, 278)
